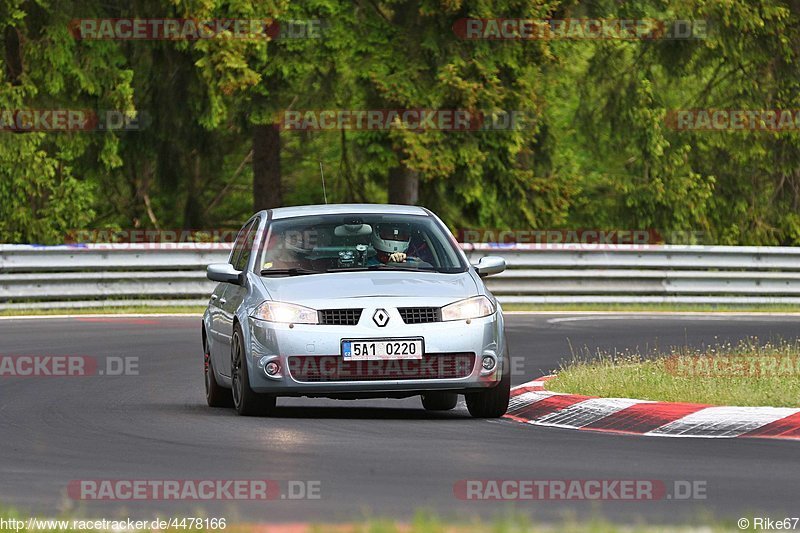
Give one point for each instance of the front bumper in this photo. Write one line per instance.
(277, 343)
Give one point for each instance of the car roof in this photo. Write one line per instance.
(347, 209)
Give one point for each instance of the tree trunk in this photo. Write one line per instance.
(403, 185)
(266, 167)
(13, 55)
(191, 210)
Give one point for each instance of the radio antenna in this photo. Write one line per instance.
(321, 173)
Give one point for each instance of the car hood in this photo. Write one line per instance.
(320, 288)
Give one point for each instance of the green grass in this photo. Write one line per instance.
(103, 311)
(746, 374)
(656, 308)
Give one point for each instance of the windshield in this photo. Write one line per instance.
(330, 243)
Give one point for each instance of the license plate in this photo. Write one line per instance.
(377, 349)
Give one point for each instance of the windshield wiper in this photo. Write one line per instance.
(380, 267)
(394, 268)
(404, 268)
(290, 271)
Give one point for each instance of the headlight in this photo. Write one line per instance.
(475, 307)
(285, 313)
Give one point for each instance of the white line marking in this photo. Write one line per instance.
(527, 398)
(722, 422)
(534, 384)
(586, 412)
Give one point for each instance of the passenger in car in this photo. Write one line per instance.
(287, 250)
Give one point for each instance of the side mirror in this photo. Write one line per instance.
(224, 273)
(490, 265)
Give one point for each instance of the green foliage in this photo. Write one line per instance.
(40, 198)
(47, 185)
(598, 152)
(737, 187)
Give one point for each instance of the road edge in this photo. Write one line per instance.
(531, 403)
(523, 313)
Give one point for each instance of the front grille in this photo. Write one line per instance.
(328, 368)
(339, 317)
(419, 315)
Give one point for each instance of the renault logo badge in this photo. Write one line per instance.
(381, 318)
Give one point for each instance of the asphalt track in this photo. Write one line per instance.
(384, 458)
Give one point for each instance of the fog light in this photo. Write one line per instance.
(488, 362)
(271, 368)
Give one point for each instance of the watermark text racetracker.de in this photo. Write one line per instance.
(192, 29)
(71, 120)
(415, 119)
(163, 239)
(520, 29)
(752, 120)
(36, 366)
(193, 489)
(590, 238)
(733, 366)
(579, 489)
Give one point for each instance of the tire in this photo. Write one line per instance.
(216, 395)
(439, 401)
(245, 401)
(491, 403)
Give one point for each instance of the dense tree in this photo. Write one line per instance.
(48, 180)
(494, 176)
(736, 187)
(596, 148)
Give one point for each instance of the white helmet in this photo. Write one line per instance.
(390, 238)
(294, 240)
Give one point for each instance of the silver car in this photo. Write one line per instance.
(353, 301)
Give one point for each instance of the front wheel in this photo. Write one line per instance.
(439, 401)
(491, 403)
(245, 400)
(216, 395)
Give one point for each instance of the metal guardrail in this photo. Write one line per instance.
(107, 275)
(103, 275)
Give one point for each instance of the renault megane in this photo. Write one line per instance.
(353, 301)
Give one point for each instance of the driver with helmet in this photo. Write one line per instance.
(390, 242)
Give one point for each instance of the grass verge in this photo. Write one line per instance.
(747, 374)
(142, 310)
